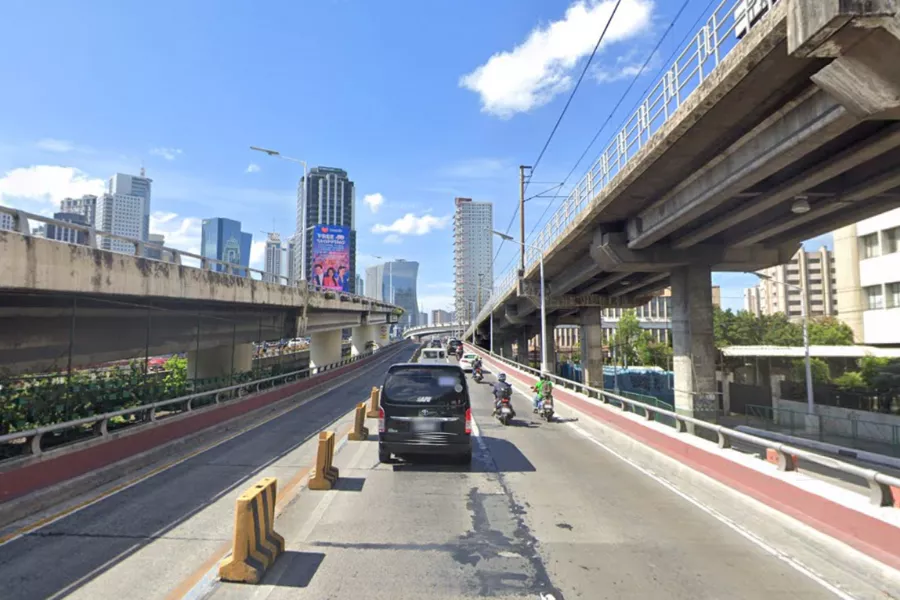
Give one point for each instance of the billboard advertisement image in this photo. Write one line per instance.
(330, 265)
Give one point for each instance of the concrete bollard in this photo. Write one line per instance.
(325, 475)
(360, 432)
(374, 398)
(256, 545)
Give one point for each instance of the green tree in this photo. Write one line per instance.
(828, 331)
(821, 372)
(628, 334)
(650, 353)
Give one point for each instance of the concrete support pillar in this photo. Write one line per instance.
(591, 338)
(324, 348)
(220, 361)
(522, 346)
(360, 337)
(551, 343)
(693, 342)
(505, 347)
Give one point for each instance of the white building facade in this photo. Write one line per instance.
(868, 282)
(782, 289)
(124, 210)
(473, 255)
(274, 251)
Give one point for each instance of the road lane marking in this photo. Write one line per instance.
(734, 526)
(41, 523)
(202, 581)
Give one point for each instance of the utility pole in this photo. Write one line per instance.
(480, 277)
(522, 219)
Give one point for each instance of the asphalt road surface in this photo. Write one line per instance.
(541, 513)
(143, 541)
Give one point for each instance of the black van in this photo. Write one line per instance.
(425, 410)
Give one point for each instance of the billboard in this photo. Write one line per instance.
(330, 264)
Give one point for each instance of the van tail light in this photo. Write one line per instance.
(380, 420)
(468, 420)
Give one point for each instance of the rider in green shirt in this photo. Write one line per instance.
(543, 386)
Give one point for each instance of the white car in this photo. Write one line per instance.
(465, 363)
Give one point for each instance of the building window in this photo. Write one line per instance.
(893, 295)
(869, 245)
(874, 297)
(891, 240)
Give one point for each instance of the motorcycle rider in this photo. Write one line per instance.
(543, 387)
(476, 365)
(502, 389)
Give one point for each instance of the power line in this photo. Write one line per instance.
(577, 85)
(609, 117)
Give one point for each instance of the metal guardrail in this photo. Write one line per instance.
(727, 24)
(879, 484)
(21, 220)
(33, 437)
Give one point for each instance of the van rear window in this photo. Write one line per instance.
(418, 385)
(433, 354)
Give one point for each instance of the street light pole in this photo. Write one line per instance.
(804, 315)
(303, 229)
(544, 344)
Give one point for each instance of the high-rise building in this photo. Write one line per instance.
(809, 273)
(326, 196)
(222, 239)
(358, 285)
(423, 319)
(440, 317)
(273, 259)
(6, 221)
(124, 210)
(288, 270)
(85, 206)
(67, 234)
(868, 278)
(155, 251)
(403, 276)
(375, 285)
(473, 248)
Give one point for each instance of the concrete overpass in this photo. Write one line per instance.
(427, 330)
(744, 149)
(67, 305)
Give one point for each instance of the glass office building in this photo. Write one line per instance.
(222, 239)
(403, 274)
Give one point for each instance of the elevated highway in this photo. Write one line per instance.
(744, 149)
(65, 305)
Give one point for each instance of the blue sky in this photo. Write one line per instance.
(419, 101)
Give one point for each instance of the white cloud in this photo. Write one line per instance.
(476, 168)
(53, 145)
(167, 153)
(373, 201)
(625, 67)
(393, 239)
(258, 255)
(410, 224)
(540, 68)
(252, 168)
(43, 186)
(181, 233)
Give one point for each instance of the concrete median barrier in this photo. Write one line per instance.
(325, 474)
(256, 545)
(360, 432)
(374, 399)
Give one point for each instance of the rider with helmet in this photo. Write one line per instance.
(502, 389)
(544, 387)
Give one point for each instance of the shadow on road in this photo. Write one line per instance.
(295, 569)
(94, 540)
(501, 456)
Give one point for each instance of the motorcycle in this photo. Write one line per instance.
(505, 412)
(477, 375)
(547, 407)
